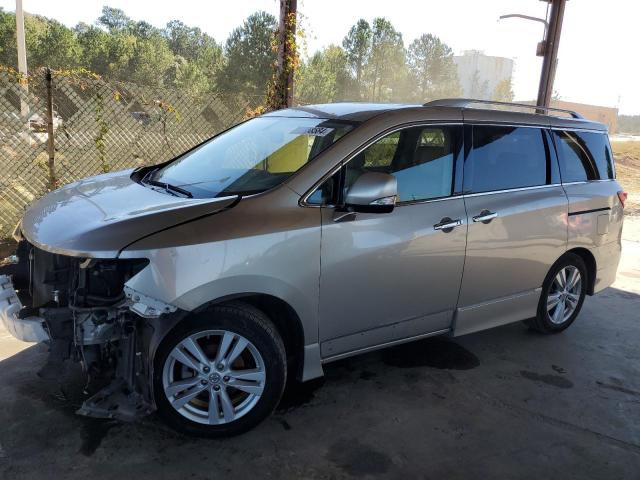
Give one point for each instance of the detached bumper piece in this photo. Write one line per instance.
(30, 329)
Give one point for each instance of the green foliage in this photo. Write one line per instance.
(190, 78)
(379, 68)
(372, 64)
(432, 69)
(503, 91)
(58, 47)
(119, 48)
(249, 56)
(357, 46)
(151, 60)
(325, 78)
(114, 19)
(8, 55)
(386, 67)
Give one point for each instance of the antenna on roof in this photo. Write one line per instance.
(467, 102)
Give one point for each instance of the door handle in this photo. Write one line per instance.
(447, 224)
(485, 216)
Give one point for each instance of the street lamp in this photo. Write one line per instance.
(548, 47)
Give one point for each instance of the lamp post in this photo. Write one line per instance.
(548, 47)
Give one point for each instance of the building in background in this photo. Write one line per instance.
(479, 74)
(597, 113)
(606, 115)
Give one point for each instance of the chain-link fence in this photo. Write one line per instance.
(98, 126)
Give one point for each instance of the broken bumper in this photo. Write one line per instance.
(30, 329)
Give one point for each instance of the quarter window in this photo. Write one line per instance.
(503, 158)
(583, 156)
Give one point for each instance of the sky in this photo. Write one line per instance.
(598, 48)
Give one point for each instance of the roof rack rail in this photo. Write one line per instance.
(465, 102)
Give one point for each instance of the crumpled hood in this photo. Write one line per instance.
(99, 216)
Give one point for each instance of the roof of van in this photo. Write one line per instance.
(361, 112)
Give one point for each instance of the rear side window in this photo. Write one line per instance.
(503, 158)
(583, 156)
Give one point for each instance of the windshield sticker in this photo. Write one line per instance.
(313, 131)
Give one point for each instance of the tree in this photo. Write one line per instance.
(8, 54)
(200, 51)
(142, 30)
(189, 77)
(503, 91)
(114, 19)
(151, 61)
(122, 48)
(325, 77)
(190, 43)
(432, 68)
(386, 66)
(249, 56)
(357, 47)
(94, 43)
(57, 48)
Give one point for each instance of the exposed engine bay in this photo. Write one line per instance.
(91, 317)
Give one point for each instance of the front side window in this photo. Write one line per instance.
(506, 157)
(251, 157)
(583, 156)
(421, 159)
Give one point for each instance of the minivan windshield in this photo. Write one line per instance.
(251, 157)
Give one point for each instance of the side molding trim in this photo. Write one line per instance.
(496, 312)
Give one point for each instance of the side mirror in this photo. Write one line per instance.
(373, 192)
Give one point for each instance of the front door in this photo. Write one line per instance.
(386, 277)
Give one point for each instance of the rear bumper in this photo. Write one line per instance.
(29, 329)
(607, 261)
(605, 277)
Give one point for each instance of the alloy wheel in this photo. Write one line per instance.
(564, 294)
(214, 377)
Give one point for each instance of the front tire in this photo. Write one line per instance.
(220, 372)
(563, 293)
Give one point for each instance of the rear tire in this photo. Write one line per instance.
(220, 372)
(562, 295)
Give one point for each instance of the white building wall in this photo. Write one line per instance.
(490, 72)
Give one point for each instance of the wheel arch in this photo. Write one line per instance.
(284, 317)
(590, 262)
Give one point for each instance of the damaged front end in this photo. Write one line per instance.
(83, 309)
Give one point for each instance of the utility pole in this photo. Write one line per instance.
(551, 44)
(547, 48)
(51, 150)
(286, 51)
(22, 57)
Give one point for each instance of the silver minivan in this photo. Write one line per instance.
(306, 235)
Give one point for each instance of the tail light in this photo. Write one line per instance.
(622, 196)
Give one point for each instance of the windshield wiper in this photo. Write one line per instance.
(172, 189)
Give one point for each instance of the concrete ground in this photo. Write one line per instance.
(504, 403)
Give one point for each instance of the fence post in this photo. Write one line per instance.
(51, 149)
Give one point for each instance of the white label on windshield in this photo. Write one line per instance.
(313, 131)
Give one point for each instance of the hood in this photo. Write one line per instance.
(99, 216)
